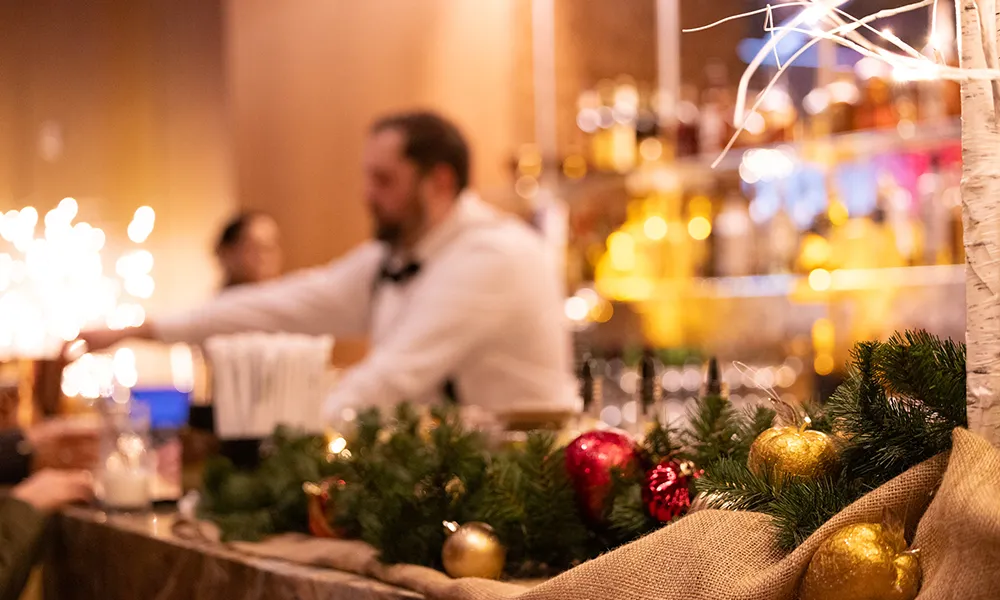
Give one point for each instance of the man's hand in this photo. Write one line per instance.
(64, 444)
(95, 340)
(51, 490)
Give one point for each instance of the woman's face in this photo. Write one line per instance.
(256, 255)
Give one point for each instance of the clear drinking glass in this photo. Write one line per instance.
(125, 472)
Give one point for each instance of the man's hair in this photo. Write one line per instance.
(431, 140)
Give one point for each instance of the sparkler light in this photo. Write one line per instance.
(55, 284)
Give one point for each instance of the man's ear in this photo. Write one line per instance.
(443, 180)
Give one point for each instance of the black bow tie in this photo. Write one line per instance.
(399, 275)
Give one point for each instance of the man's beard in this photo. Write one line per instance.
(389, 233)
(396, 233)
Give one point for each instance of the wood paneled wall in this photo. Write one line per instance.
(121, 104)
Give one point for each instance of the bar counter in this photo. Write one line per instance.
(99, 556)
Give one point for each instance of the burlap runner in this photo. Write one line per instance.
(959, 535)
(722, 555)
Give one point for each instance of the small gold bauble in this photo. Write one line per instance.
(473, 550)
(866, 561)
(793, 453)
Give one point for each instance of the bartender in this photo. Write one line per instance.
(459, 299)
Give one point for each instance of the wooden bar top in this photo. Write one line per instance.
(99, 556)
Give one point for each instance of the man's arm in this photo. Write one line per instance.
(333, 299)
(454, 312)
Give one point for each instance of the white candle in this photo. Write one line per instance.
(126, 489)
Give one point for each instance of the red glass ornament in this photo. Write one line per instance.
(666, 490)
(320, 507)
(589, 461)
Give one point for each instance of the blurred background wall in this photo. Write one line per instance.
(201, 107)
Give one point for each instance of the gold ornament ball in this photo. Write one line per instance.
(473, 550)
(793, 453)
(865, 561)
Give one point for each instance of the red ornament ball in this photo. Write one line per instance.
(590, 459)
(666, 490)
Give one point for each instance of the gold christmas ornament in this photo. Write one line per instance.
(793, 453)
(865, 561)
(472, 550)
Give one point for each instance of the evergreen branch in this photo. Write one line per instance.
(730, 484)
(752, 423)
(660, 443)
(919, 366)
(713, 430)
(888, 433)
(802, 507)
(628, 518)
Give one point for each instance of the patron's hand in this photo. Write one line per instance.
(63, 444)
(51, 490)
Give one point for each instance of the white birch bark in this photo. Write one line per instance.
(981, 214)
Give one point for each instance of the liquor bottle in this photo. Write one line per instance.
(650, 402)
(591, 393)
(624, 110)
(646, 120)
(844, 97)
(713, 386)
(688, 123)
(591, 388)
(894, 202)
(935, 215)
(732, 238)
(876, 110)
(716, 110)
(783, 240)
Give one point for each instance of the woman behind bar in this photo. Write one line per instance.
(249, 249)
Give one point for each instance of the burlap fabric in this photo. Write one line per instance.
(722, 555)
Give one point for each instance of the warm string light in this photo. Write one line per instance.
(844, 31)
(54, 284)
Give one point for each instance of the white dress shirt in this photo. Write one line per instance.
(484, 311)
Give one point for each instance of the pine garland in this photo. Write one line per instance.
(406, 474)
(898, 407)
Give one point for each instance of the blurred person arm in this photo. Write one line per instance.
(455, 312)
(24, 516)
(332, 299)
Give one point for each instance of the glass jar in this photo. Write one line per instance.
(125, 472)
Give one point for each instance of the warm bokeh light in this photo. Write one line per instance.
(621, 247)
(699, 228)
(820, 280)
(182, 367)
(655, 228)
(651, 149)
(823, 364)
(837, 213)
(142, 224)
(603, 312)
(815, 251)
(575, 166)
(123, 365)
(526, 187)
(140, 286)
(576, 308)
